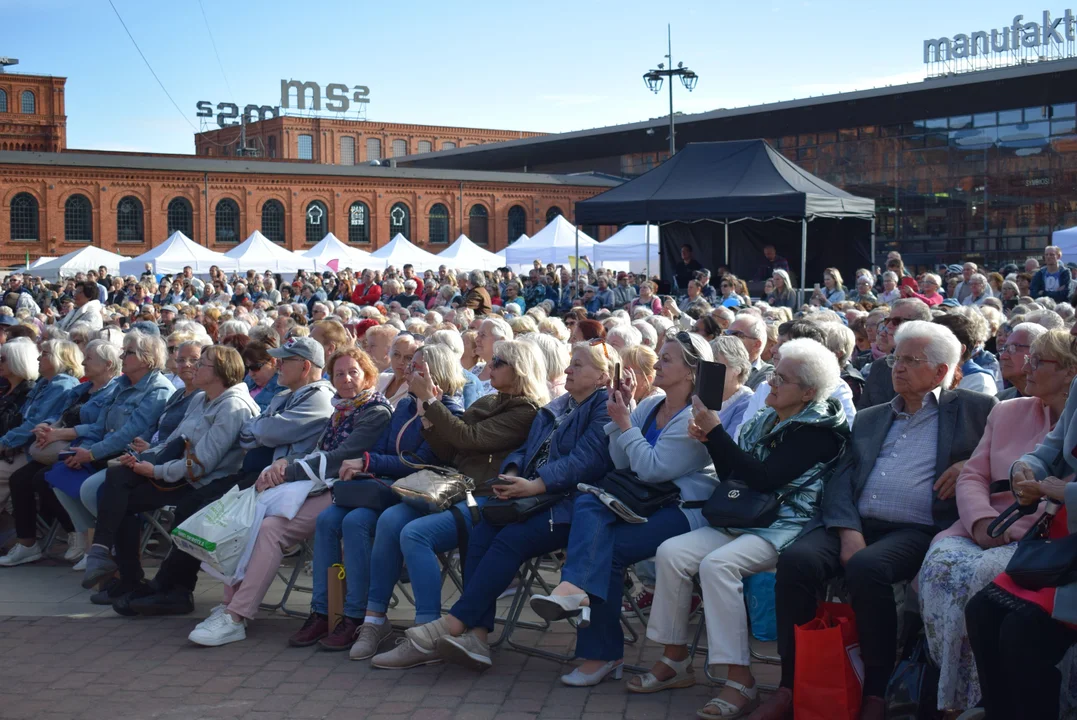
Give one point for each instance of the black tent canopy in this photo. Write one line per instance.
(702, 194)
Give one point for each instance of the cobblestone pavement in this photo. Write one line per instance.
(69, 665)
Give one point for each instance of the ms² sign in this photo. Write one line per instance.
(338, 98)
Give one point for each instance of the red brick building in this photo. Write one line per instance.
(32, 113)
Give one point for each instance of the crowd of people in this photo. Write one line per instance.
(894, 420)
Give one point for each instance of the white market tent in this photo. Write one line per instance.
(466, 255)
(260, 253)
(81, 260)
(330, 249)
(1066, 240)
(176, 253)
(36, 263)
(399, 252)
(631, 243)
(552, 244)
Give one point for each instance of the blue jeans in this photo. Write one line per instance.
(600, 547)
(494, 555)
(404, 534)
(355, 528)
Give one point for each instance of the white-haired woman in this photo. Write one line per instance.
(729, 351)
(891, 291)
(555, 327)
(784, 450)
(492, 330)
(80, 405)
(556, 355)
(979, 290)
(652, 441)
(783, 294)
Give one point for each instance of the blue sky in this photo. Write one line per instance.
(545, 66)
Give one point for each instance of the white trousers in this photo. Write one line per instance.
(722, 561)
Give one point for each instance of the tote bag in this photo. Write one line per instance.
(829, 674)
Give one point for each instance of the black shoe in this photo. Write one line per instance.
(176, 601)
(112, 590)
(122, 604)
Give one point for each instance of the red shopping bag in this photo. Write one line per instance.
(829, 675)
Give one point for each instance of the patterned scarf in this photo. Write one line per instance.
(343, 417)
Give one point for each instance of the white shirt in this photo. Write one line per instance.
(841, 393)
(979, 382)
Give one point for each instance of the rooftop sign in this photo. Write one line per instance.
(1022, 41)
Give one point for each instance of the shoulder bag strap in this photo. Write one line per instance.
(416, 465)
(813, 477)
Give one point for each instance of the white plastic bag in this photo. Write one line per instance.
(217, 534)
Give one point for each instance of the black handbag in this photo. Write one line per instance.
(735, 505)
(912, 690)
(498, 512)
(364, 492)
(1039, 561)
(644, 499)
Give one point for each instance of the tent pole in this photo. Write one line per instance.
(647, 239)
(577, 268)
(873, 242)
(803, 257)
(726, 224)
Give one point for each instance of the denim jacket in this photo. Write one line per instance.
(92, 407)
(134, 410)
(270, 391)
(44, 401)
(383, 460)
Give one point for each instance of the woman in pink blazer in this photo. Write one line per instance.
(963, 559)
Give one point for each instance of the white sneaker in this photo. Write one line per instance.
(76, 546)
(80, 566)
(20, 555)
(218, 629)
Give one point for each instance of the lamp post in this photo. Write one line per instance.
(654, 78)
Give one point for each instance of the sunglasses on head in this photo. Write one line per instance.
(686, 342)
(600, 341)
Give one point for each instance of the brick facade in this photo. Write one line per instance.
(44, 129)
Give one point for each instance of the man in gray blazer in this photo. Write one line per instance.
(892, 491)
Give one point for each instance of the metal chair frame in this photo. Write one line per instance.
(291, 583)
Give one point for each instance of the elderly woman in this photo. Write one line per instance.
(556, 355)
(360, 416)
(566, 442)
(964, 558)
(261, 378)
(783, 294)
(891, 291)
(979, 290)
(81, 404)
(355, 527)
(864, 292)
(786, 450)
(18, 370)
(492, 330)
(476, 444)
(141, 483)
(393, 384)
(647, 298)
(653, 442)
(729, 351)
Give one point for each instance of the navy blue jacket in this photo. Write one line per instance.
(383, 460)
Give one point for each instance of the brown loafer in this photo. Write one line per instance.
(314, 629)
(343, 635)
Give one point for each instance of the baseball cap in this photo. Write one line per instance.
(956, 269)
(8, 320)
(1072, 265)
(169, 308)
(950, 302)
(303, 347)
(147, 327)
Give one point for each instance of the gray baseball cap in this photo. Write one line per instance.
(304, 347)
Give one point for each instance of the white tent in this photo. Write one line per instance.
(552, 244)
(1066, 240)
(466, 255)
(630, 243)
(40, 261)
(400, 252)
(176, 253)
(260, 253)
(81, 260)
(330, 249)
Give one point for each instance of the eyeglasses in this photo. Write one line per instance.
(776, 381)
(735, 333)
(185, 361)
(1035, 361)
(130, 353)
(1011, 348)
(172, 349)
(906, 360)
(255, 367)
(497, 362)
(895, 321)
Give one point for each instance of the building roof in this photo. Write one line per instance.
(1015, 86)
(253, 166)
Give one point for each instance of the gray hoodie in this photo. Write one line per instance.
(293, 422)
(213, 428)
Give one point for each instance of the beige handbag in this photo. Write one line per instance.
(432, 489)
(50, 454)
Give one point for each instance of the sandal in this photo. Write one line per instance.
(684, 677)
(727, 710)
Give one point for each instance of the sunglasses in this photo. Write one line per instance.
(600, 341)
(255, 367)
(497, 362)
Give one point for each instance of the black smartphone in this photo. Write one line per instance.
(66, 454)
(710, 384)
(500, 481)
(617, 376)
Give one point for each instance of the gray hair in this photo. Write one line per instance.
(977, 278)
(81, 333)
(757, 328)
(233, 327)
(554, 352)
(840, 340)
(112, 335)
(66, 357)
(629, 336)
(1047, 318)
(410, 285)
(890, 275)
(107, 353)
(477, 279)
(20, 356)
(450, 339)
(816, 366)
(918, 307)
(648, 335)
(501, 329)
(150, 349)
(554, 326)
(1033, 330)
(940, 345)
(732, 351)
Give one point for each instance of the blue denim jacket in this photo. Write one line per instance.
(45, 400)
(133, 411)
(472, 388)
(95, 404)
(383, 460)
(268, 392)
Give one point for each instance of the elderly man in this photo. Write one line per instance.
(892, 491)
(478, 297)
(87, 309)
(879, 386)
(623, 293)
(1012, 357)
(1053, 280)
(752, 333)
(963, 290)
(978, 290)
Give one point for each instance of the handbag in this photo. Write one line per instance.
(365, 492)
(1041, 561)
(644, 499)
(432, 489)
(498, 512)
(912, 690)
(829, 678)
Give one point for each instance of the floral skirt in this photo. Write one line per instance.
(954, 570)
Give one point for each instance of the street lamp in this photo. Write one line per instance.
(654, 78)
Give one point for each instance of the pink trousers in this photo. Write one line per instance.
(274, 536)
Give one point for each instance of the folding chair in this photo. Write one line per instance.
(154, 524)
(49, 532)
(291, 582)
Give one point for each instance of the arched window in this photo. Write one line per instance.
(425, 146)
(479, 225)
(29, 102)
(273, 220)
(129, 227)
(3, 100)
(400, 221)
(306, 147)
(24, 218)
(400, 148)
(78, 219)
(347, 151)
(317, 221)
(271, 146)
(227, 221)
(448, 145)
(439, 225)
(517, 222)
(180, 217)
(552, 213)
(359, 223)
(373, 149)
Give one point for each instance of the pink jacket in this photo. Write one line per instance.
(1014, 428)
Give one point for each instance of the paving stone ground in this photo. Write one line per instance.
(71, 660)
